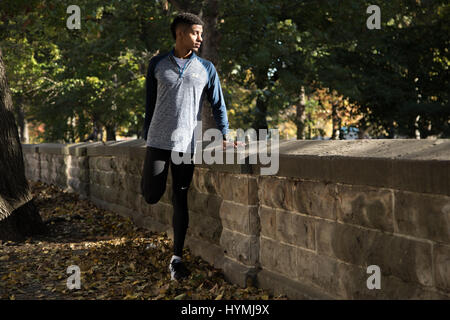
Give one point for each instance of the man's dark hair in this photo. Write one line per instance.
(186, 19)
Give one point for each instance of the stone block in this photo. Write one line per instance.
(423, 176)
(205, 227)
(76, 149)
(347, 281)
(358, 170)
(73, 171)
(407, 259)
(59, 160)
(97, 191)
(101, 179)
(295, 229)
(144, 207)
(79, 173)
(83, 162)
(315, 198)
(306, 267)
(132, 182)
(135, 166)
(111, 195)
(353, 285)
(237, 188)
(128, 166)
(132, 200)
(123, 199)
(308, 167)
(121, 163)
(105, 163)
(94, 176)
(92, 161)
(268, 218)
(44, 174)
(278, 284)
(365, 206)
(205, 181)
(326, 273)
(278, 257)
(239, 217)
(167, 196)
(276, 192)
(154, 225)
(77, 162)
(210, 252)
(77, 185)
(423, 215)
(441, 259)
(120, 180)
(241, 247)
(238, 273)
(44, 165)
(207, 204)
(162, 212)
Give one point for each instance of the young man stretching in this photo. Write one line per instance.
(176, 84)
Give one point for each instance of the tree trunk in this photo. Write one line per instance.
(110, 133)
(112, 128)
(209, 51)
(335, 121)
(301, 115)
(417, 127)
(260, 112)
(341, 132)
(363, 129)
(21, 120)
(19, 217)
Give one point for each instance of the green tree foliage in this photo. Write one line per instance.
(397, 74)
(72, 80)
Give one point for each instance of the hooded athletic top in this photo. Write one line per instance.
(174, 101)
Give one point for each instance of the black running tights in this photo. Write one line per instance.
(153, 186)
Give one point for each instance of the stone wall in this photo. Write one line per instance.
(310, 231)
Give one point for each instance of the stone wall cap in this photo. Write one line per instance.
(405, 149)
(131, 148)
(412, 149)
(29, 148)
(78, 149)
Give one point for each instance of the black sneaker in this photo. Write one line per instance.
(178, 270)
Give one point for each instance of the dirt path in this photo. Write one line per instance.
(117, 260)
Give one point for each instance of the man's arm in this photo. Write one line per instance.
(215, 97)
(150, 99)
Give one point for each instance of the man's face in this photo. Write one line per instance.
(191, 38)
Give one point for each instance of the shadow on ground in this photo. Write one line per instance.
(117, 260)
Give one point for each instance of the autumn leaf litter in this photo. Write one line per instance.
(117, 259)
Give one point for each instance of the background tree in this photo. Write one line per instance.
(272, 57)
(19, 217)
(396, 74)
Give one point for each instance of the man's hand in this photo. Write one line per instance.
(227, 143)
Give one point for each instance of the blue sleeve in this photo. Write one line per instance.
(215, 97)
(150, 98)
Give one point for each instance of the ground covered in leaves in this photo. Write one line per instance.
(117, 260)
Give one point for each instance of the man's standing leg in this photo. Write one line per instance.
(181, 179)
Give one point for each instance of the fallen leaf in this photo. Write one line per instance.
(180, 296)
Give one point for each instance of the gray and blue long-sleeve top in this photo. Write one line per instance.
(174, 101)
